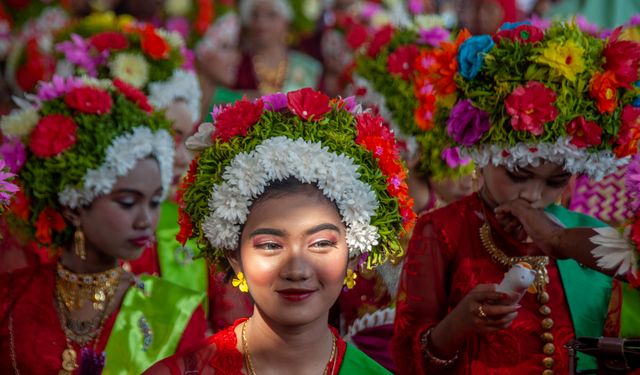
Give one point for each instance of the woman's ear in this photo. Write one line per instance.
(233, 256)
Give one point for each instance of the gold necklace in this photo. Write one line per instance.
(249, 362)
(74, 289)
(270, 80)
(539, 265)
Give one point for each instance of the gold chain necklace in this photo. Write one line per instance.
(249, 362)
(74, 289)
(270, 80)
(539, 265)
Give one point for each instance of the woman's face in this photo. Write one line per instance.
(180, 116)
(540, 186)
(294, 255)
(267, 25)
(121, 223)
(220, 65)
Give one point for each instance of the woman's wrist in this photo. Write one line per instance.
(427, 347)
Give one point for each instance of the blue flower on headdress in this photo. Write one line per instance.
(636, 101)
(513, 25)
(471, 55)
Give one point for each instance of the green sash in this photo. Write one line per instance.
(303, 71)
(222, 96)
(630, 314)
(149, 325)
(176, 262)
(588, 292)
(356, 362)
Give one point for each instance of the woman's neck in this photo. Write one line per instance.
(275, 348)
(95, 261)
(271, 53)
(208, 88)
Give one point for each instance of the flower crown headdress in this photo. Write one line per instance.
(80, 136)
(148, 58)
(389, 74)
(526, 95)
(189, 18)
(351, 157)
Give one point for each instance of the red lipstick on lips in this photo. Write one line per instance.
(296, 295)
(141, 241)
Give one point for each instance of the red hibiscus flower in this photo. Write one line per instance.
(629, 134)
(622, 57)
(153, 44)
(308, 104)
(531, 106)
(88, 99)
(20, 205)
(53, 135)
(380, 39)
(603, 88)
(237, 119)
(186, 227)
(48, 221)
(584, 133)
(109, 40)
(402, 61)
(356, 36)
(133, 94)
(522, 34)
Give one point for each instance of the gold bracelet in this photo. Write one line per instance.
(425, 341)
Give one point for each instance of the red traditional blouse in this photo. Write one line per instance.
(219, 354)
(30, 329)
(444, 261)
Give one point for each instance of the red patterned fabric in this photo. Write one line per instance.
(219, 354)
(38, 339)
(445, 260)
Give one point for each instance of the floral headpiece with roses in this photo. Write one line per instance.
(351, 157)
(72, 144)
(192, 18)
(526, 95)
(389, 74)
(147, 58)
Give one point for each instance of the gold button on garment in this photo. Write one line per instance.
(546, 337)
(543, 297)
(547, 372)
(547, 323)
(549, 348)
(544, 310)
(547, 362)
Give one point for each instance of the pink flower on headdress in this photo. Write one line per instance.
(632, 183)
(275, 102)
(531, 106)
(6, 188)
(452, 157)
(77, 51)
(434, 36)
(13, 152)
(584, 133)
(57, 87)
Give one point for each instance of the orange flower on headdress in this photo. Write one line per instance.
(629, 133)
(153, 44)
(603, 88)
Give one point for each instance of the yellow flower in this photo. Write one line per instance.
(131, 68)
(564, 57)
(19, 122)
(240, 282)
(350, 279)
(177, 7)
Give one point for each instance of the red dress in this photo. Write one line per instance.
(27, 302)
(445, 260)
(219, 354)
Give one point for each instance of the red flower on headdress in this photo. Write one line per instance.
(186, 227)
(424, 112)
(109, 40)
(380, 39)
(402, 61)
(584, 133)
(603, 88)
(629, 134)
(48, 221)
(53, 135)
(37, 67)
(153, 44)
(88, 99)
(308, 104)
(531, 106)
(237, 119)
(356, 36)
(622, 58)
(133, 94)
(206, 13)
(20, 205)
(522, 34)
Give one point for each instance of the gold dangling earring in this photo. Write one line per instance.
(78, 244)
(475, 180)
(240, 282)
(350, 279)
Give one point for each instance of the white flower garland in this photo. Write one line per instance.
(121, 157)
(182, 84)
(615, 250)
(575, 160)
(246, 177)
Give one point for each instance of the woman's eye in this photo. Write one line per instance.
(126, 203)
(557, 184)
(268, 246)
(155, 203)
(517, 178)
(324, 244)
